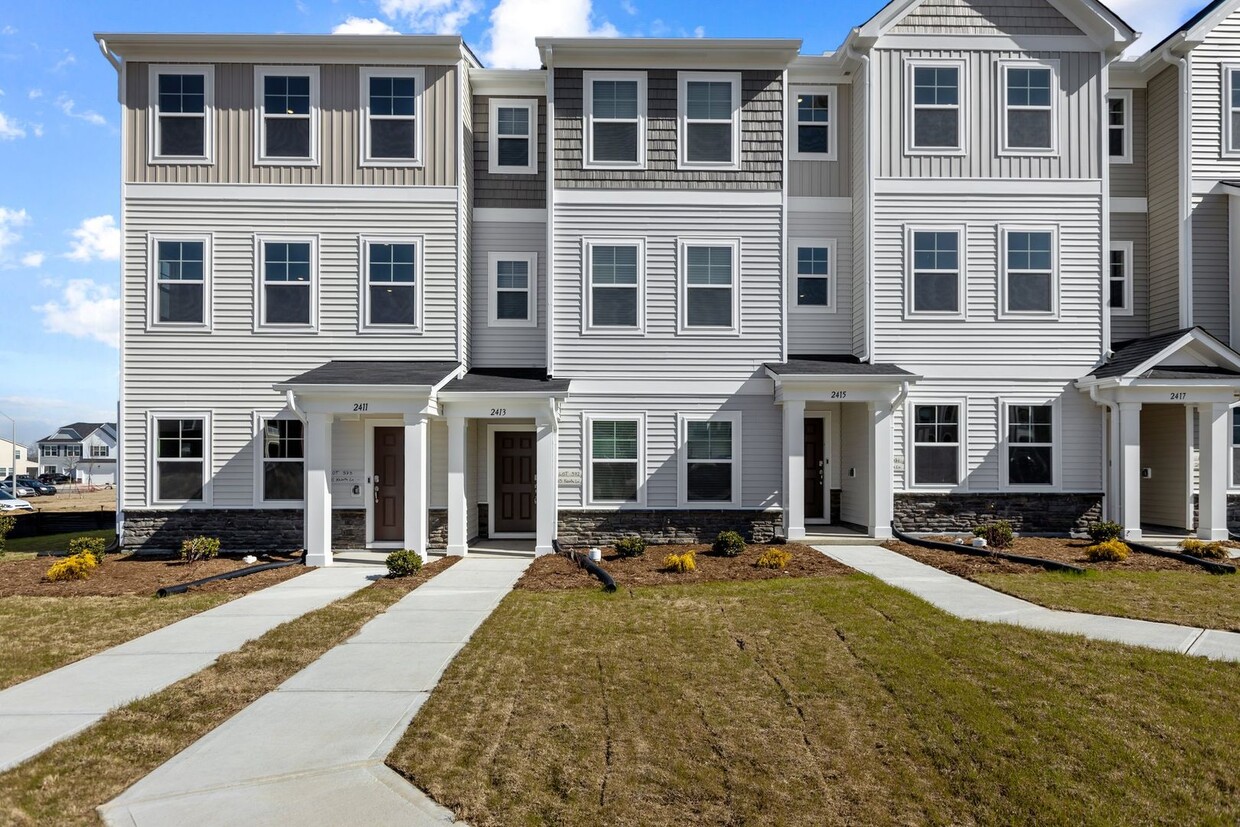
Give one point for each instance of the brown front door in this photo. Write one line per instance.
(514, 481)
(389, 484)
(815, 469)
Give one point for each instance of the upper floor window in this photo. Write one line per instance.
(1119, 126)
(391, 284)
(935, 110)
(1028, 110)
(710, 296)
(615, 114)
(180, 458)
(814, 123)
(287, 270)
(288, 114)
(392, 101)
(1119, 278)
(181, 113)
(710, 120)
(812, 274)
(1231, 109)
(180, 281)
(1028, 283)
(1030, 445)
(512, 144)
(614, 288)
(512, 289)
(935, 277)
(710, 459)
(283, 460)
(99, 451)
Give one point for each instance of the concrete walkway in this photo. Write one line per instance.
(43, 710)
(973, 601)
(311, 752)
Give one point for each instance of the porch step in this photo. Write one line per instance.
(839, 540)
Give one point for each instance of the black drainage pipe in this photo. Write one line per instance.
(1209, 565)
(583, 560)
(1052, 565)
(228, 575)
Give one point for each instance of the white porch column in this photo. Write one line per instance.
(882, 497)
(318, 512)
(416, 454)
(457, 504)
(1212, 494)
(1129, 494)
(794, 470)
(547, 481)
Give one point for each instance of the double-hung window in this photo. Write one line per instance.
(615, 130)
(936, 444)
(813, 271)
(1030, 445)
(391, 120)
(813, 125)
(513, 289)
(1028, 110)
(512, 145)
(287, 283)
(1231, 109)
(283, 464)
(710, 120)
(391, 284)
(936, 277)
(1119, 278)
(615, 300)
(615, 460)
(1235, 447)
(180, 458)
(1119, 126)
(710, 297)
(935, 107)
(99, 450)
(710, 460)
(1029, 272)
(181, 107)
(287, 102)
(180, 281)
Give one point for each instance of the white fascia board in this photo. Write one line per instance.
(1095, 20)
(819, 69)
(439, 50)
(509, 82)
(285, 192)
(669, 53)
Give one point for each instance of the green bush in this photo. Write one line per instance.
(93, 546)
(998, 534)
(1108, 551)
(7, 522)
(1101, 532)
(630, 547)
(403, 563)
(1207, 549)
(680, 563)
(774, 558)
(196, 549)
(728, 544)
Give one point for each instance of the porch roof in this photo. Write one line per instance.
(386, 372)
(501, 381)
(1148, 358)
(833, 365)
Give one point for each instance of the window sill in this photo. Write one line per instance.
(301, 329)
(813, 309)
(280, 504)
(1028, 152)
(614, 331)
(935, 151)
(1121, 160)
(179, 504)
(615, 166)
(812, 156)
(286, 162)
(696, 166)
(710, 505)
(491, 170)
(522, 323)
(174, 327)
(615, 506)
(698, 332)
(1121, 312)
(926, 316)
(390, 330)
(182, 160)
(1029, 316)
(391, 163)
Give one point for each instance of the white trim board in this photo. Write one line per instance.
(1005, 187)
(509, 215)
(284, 192)
(809, 203)
(707, 198)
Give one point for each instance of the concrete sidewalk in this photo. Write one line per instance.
(312, 751)
(43, 710)
(973, 601)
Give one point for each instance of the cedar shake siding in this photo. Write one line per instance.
(992, 17)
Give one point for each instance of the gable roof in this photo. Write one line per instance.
(78, 431)
(1195, 28)
(1091, 16)
(1142, 358)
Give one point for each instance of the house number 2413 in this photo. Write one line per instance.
(499, 412)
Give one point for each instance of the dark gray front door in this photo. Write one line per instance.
(815, 469)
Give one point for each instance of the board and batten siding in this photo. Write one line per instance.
(232, 368)
(507, 191)
(831, 179)
(811, 330)
(1130, 180)
(1074, 338)
(762, 137)
(761, 443)
(662, 352)
(1128, 226)
(1079, 107)
(1221, 45)
(1164, 198)
(1211, 265)
(991, 17)
(504, 346)
(339, 133)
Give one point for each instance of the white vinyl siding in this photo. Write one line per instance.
(391, 117)
(512, 289)
(286, 104)
(179, 283)
(508, 346)
(512, 143)
(1211, 277)
(1028, 107)
(182, 107)
(286, 283)
(815, 329)
(1162, 95)
(813, 130)
(936, 96)
(1119, 126)
(709, 116)
(615, 116)
(1215, 108)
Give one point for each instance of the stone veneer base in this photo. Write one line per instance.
(1036, 513)
(599, 528)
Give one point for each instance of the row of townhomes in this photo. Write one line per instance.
(974, 262)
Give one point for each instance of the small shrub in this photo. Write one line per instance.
(1207, 549)
(680, 563)
(1108, 551)
(774, 558)
(199, 548)
(403, 563)
(630, 546)
(998, 534)
(728, 544)
(1101, 532)
(7, 522)
(93, 546)
(75, 567)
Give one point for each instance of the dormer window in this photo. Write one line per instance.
(287, 99)
(615, 115)
(181, 106)
(710, 120)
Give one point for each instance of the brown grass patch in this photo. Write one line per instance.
(130, 574)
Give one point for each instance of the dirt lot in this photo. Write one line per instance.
(76, 498)
(1049, 548)
(125, 575)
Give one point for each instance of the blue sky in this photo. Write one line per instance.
(60, 142)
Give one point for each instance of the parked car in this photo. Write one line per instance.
(54, 478)
(40, 488)
(22, 491)
(10, 503)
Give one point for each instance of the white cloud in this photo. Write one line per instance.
(1154, 18)
(69, 107)
(85, 310)
(96, 238)
(34, 94)
(33, 260)
(37, 128)
(363, 25)
(515, 24)
(65, 62)
(8, 30)
(627, 7)
(439, 16)
(699, 31)
(10, 130)
(10, 220)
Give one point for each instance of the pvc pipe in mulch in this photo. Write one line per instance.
(583, 560)
(228, 575)
(1052, 565)
(1212, 566)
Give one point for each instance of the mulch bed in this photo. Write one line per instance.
(554, 572)
(1048, 548)
(130, 574)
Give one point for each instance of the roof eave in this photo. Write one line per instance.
(594, 52)
(151, 46)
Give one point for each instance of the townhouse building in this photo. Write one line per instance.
(971, 264)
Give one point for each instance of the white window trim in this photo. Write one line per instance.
(682, 453)
(962, 443)
(961, 277)
(419, 285)
(1056, 483)
(260, 131)
(1124, 95)
(1002, 68)
(587, 135)
(153, 155)
(1004, 231)
(1231, 454)
(530, 105)
(260, 295)
(152, 452)
(588, 458)
(1126, 248)
(682, 299)
(493, 260)
(259, 418)
(587, 281)
(682, 120)
(364, 76)
(830, 92)
(1226, 150)
(152, 255)
(795, 245)
(962, 103)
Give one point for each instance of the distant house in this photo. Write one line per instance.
(25, 465)
(83, 451)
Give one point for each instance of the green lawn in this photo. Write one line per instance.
(54, 542)
(815, 701)
(1192, 598)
